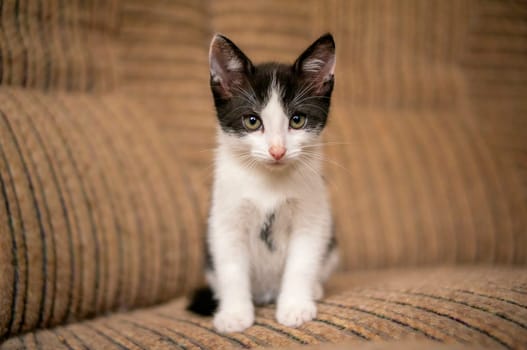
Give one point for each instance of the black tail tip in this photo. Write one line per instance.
(203, 302)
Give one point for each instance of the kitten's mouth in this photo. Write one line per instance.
(276, 164)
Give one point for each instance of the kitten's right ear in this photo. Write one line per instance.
(317, 63)
(229, 66)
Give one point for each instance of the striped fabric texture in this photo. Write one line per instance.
(62, 45)
(484, 306)
(106, 140)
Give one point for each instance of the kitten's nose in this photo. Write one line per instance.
(277, 152)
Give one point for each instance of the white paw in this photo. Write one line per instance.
(294, 313)
(234, 320)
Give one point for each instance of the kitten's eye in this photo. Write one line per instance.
(252, 122)
(297, 121)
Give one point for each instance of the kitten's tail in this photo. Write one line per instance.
(203, 302)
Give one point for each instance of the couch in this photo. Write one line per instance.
(106, 140)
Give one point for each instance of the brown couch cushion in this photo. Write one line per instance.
(478, 305)
(95, 212)
(54, 45)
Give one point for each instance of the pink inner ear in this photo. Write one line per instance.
(321, 68)
(317, 63)
(319, 71)
(227, 64)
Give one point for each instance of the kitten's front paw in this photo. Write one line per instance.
(294, 313)
(234, 320)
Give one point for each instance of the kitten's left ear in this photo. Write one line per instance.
(229, 67)
(317, 63)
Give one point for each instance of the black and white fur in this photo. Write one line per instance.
(270, 233)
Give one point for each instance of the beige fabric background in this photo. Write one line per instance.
(107, 130)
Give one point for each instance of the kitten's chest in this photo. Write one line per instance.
(271, 228)
(268, 245)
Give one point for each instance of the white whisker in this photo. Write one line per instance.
(329, 143)
(326, 160)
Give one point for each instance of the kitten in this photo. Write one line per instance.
(270, 233)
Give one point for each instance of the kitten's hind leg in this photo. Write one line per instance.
(318, 291)
(330, 265)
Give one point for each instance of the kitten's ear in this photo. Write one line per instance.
(229, 66)
(317, 63)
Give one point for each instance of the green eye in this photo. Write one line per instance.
(252, 122)
(297, 121)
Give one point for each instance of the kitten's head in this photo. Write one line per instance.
(272, 114)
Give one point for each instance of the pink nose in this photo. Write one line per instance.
(277, 152)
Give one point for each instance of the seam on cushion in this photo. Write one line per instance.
(61, 339)
(328, 323)
(25, 50)
(76, 337)
(84, 185)
(153, 331)
(280, 331)
(350, 319)
(342, 328)
(115, 218)
(515, 290)
(237, 341)
(183, 238)
(480, 308)
(461, 340)
(45, 49)
(22, 342)
(46, 212)
(384, 317)
(41, 322)
(14, 251)
(452, 318)
(493, 297)
(231, 339)
(90, 211)
(110, 339)
(73, 162)
(37, 343)
(285, 331)
(43, 107)
(131, 340)
(112, 202)
(7, 49)
(38, 214)
(302, 329)
(146, 194)
(185, 337)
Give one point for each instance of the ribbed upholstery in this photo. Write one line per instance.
(63, 45)
(485, 306)
(106, 138)
(94, 210)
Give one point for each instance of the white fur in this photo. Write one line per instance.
(247, 187)
(313, 65)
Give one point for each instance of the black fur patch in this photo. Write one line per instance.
(251, 98)
(266, 232)
(203, 302)
(332, 242)
(248, 91)
(209, 264)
